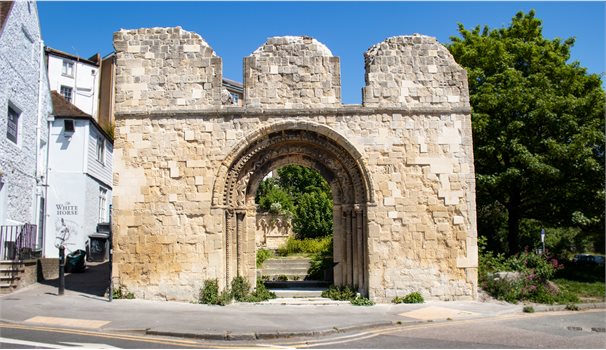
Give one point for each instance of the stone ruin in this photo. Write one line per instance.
(187, 166)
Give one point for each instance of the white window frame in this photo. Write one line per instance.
(101, 149)
(102, 205)
(64, 89)
(67, 68)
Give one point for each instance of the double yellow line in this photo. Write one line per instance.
(146, 339)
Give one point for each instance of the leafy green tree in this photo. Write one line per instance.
(538, 129)
(302, 192)
(272, 198)
(297, 180)
(314, 215)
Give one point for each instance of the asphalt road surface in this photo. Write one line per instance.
(541, 330)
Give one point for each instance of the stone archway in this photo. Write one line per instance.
(307, 144)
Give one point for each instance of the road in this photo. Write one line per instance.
(541, 330)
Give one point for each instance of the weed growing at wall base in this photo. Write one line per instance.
(411, 298)
(240, 291)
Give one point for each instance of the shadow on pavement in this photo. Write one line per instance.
(94, 280)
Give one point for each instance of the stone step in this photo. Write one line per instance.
(304, 301)
(9, 278)
(277, 264)
(284, 271)
(297, 284)
(286, 260)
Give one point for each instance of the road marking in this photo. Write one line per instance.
(90, 345)
(67, 322)
(437, 313)
(146, 339)
(30, 343)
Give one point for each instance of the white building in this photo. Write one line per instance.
(25, 106)
(76, 78)
(79, 176)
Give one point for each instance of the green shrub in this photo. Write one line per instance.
(534, 271)
(306, 246)
(225, 298)
(263, 255)
(572, 307)
(240, 288)
(240, 291)
(362, 301)
(209, 294)
(261, 293)
(339, 293)
(411, 298)
(528, 309)
(122, 293)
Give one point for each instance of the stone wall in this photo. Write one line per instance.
(292, 72)
(402, 177)
(161, 69)
(273, 230)
(413, 71)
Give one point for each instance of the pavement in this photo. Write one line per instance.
(83, 306)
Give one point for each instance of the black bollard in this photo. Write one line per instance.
(61, 270)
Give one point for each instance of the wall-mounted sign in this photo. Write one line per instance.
(67, 209)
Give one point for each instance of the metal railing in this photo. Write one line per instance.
(17, 242)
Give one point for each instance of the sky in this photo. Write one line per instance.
(236, 29)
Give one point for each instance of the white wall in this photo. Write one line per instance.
(67, 153)
(75, 179)
(99, 170)
(84, 82)
(23, 85)
(66, 200)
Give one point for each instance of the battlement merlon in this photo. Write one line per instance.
(177, 70)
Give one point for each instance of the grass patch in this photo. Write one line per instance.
(307, 246)
(583, 290)
(263, 255)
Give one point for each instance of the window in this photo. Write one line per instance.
(101, 149)
(12, 125)
(234, 97)
(68, 68)
(68, 126)
(103, 205)
(66, 91)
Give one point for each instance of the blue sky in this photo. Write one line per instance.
(236, 29)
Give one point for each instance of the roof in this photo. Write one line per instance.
(232, 84)
(5, 10)
(64, 109)
(93, 60)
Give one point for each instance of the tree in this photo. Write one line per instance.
(297, 180)
(538, 129)
(302, 192)
(313, 215)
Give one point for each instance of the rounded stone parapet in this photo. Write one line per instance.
(292, 72)
(413, 71)
(165, 69)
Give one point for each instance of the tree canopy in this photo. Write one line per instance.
(302, 193)
(538, 129)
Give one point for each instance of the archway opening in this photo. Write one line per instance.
(313, 146)
(294, 228)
